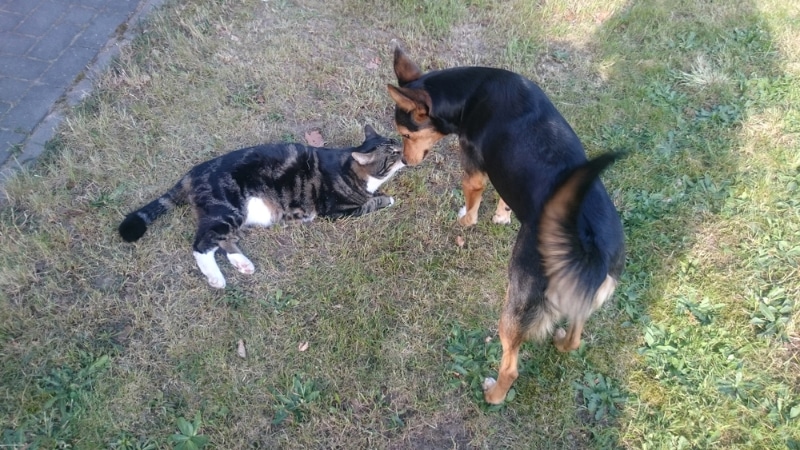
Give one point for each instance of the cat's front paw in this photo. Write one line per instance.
(384, 201)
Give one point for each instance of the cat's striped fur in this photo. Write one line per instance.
(268, 184)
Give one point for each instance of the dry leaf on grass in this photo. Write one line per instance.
(240, 350)
(314, 138)
(303, 346)
(460, 241)
(375, 63)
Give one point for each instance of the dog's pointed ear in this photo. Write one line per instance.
(369, 132)
(405, 69)
(363, 158)
(416, 102)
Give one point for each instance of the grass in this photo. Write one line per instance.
(375, 332)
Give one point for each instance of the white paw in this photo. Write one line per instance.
(501, 219)
(462, 212)
(241, 263)
(488, 383)
(560, 334)
(216, 282)
(391, 201)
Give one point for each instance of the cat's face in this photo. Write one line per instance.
(377, 159)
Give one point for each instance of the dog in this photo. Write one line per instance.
(569, 252)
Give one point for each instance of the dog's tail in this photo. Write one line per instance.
(135, 224)
(573, 271)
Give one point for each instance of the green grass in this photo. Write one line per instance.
(110, 345)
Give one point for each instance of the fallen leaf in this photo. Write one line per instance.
(375, 63)
(303, 346)
(240, 350)
(460, 241)
(314, 138)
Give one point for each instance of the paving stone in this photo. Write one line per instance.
(31, 108)
(67, 67)
(57, 39)
(22, 68)
(45, 46)
(12, 89)
(15, 44)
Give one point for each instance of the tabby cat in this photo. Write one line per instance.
(268, 184)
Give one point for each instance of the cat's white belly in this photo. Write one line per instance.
(258, 213)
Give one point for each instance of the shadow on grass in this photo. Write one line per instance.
(682, 86)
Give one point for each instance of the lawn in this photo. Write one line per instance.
(375, 332)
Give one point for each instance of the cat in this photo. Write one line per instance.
(268, 184)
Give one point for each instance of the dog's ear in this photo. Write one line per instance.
(416, 102)
(405, 69)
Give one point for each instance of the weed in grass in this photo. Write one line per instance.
(126, 441)
(295, 402)
(234, 297)
(188, 437)
(65, 393)
(600, 397)
(771, 314)
(473, 354)
(279, 301)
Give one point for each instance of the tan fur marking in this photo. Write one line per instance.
(502, 214)
(571, 339)
(418, 143)
(511, 338)
(473, 186)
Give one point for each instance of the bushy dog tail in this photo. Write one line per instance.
(573, 271)
(135, 224)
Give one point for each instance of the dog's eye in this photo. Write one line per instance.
(406, 136)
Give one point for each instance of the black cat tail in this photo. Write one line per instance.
(574, 272)
(135, 224)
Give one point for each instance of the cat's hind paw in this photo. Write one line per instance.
(241, 263)
(216, 282)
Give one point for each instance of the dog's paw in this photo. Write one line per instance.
(488, 383)
(464, 219)
(502, 219)
(391, 201)
(559, 335)
(217, 282)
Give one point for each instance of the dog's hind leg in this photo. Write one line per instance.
(567, 341)
(511, 337)
(473, 185)
(502, 214)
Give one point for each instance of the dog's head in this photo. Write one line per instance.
(413, 111)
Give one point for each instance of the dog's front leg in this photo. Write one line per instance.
(473, 185)
(502, 214)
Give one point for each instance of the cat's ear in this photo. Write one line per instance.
(363, 158)
(369, 132)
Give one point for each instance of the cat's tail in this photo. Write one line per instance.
(135, 223)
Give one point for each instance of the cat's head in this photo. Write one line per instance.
(377, 159)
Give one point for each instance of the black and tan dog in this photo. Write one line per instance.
(569, 252)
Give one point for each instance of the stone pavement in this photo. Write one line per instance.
(52, 50)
